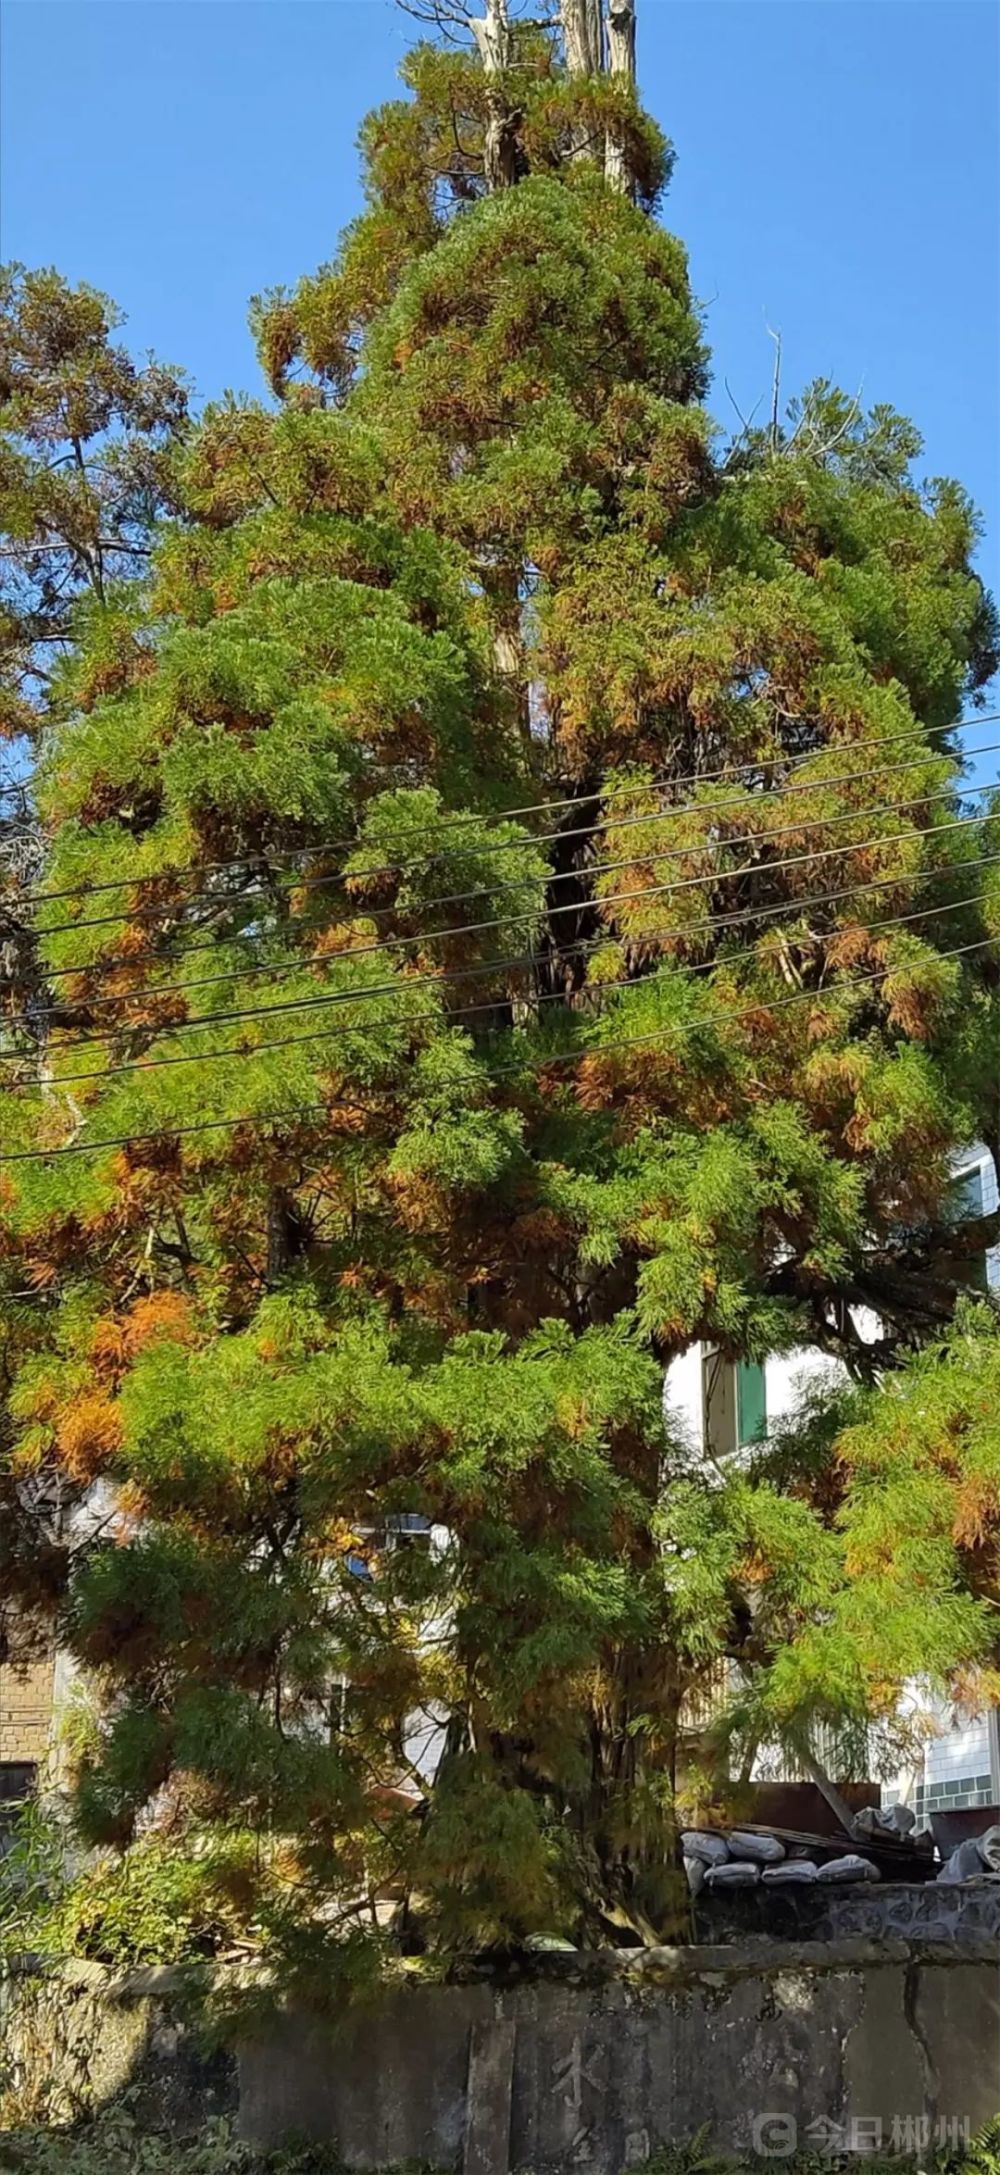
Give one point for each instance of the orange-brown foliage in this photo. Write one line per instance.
(88, 1435)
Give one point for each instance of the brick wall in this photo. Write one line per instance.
(26, 1687)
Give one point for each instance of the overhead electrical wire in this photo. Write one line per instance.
(695, 777)
(520, 962)
(672, 813)
(248, 1050)
(248, 936)
(711, 877)
(299, 962)
(519, 886)
(475, 1079)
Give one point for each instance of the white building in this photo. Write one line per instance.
(725, 1407)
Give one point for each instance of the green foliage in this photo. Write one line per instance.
(919, 1520)
(568, 299)
(33, 1880)
(86, 446)
(866, 1532)
(494, 1868)
(166, 1900)
(423, 162)
(419, 1135)
(160, 1903)
(120, 2141)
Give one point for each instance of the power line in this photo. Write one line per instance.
(519, 962)
(519, 886)
(615, 899)
(711, 777)
(508, 845)
(302, 961)
(145, 1064)
(245, 936)
(478, 1080)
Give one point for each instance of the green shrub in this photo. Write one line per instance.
(32, 1878)
(161, 1902)
(117, 2143)
(158, 1903)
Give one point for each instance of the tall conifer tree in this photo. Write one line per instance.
(394, 1142)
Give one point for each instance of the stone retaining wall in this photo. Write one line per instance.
(74, 2038)
(583, 2061)
(930, 1910)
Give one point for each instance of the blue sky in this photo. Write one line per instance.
(837, 175)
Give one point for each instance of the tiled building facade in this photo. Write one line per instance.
(961, 1767)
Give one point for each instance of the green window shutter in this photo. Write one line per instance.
(751, 1401)
(719, 1394)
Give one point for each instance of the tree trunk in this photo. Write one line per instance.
(285, 1232)
(492, 34)
(628, 1820)
(621, 62)
(583, 38)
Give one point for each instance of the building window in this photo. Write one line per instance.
(734, 1403)
(17, 1780)
(17, 1783)
(966, 1199)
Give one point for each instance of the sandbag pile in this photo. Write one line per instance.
(874, 1821)
(850, 1867)
(742, 1858)
(974, 1859)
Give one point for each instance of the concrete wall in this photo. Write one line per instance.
(599, 2069)
(586, 2061)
